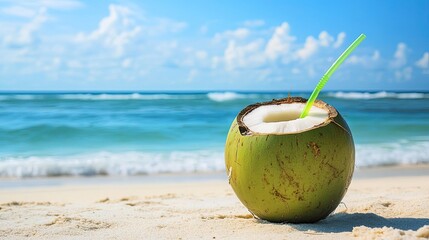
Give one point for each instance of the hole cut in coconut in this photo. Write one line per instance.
(284, 118)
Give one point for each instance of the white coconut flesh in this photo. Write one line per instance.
(283, 118)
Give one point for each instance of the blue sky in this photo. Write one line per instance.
(212, 45)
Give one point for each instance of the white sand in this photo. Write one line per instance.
(374, 208)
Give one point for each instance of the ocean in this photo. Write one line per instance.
(145, 133)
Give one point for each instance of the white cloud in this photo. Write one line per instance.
(310, 47)
(376, 55)
(340, 39)
(281, 45)
(239, 33)
(127, 43)
(114, 31)
(325, 39)
(19, 11)
(101, 53)
(365, 60)
(123, 26)
(25, 8)
(280, 42)
(423, 62)
(191, 75)
(400, 58)
(404, 74)
(399, 62)
(215, 62)
(243, 56)
(166, 48)
(312, 44)
(164, 25)
(63, 4)
(26, 33)
(355, 60)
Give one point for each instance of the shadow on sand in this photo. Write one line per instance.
(345, 222)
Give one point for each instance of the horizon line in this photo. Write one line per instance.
(204, 91)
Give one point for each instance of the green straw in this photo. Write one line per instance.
(328, 74)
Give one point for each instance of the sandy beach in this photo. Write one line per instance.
(381, 203)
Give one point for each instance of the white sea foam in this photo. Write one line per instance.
(20, 97)
(227, 96)
(139, 163)
(375, 95)
(130, 96)
(115, 164)
(397, 153)
(98, 96)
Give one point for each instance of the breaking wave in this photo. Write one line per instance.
(24, 97)
(397, 153)
(97, 96)
(213, 96)
(104, 96)
(375, 95)
(228, 96)
(140, 163)
(112, 164)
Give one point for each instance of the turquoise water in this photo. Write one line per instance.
(50, 134)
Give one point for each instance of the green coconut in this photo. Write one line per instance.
(286, 169)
